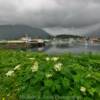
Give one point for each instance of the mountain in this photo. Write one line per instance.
(64, 36)
(18, 31)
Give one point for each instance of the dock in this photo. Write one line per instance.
(22, 43)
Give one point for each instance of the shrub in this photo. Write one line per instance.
(44, 77)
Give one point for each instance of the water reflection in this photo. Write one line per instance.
(60, 48)
(64, 48)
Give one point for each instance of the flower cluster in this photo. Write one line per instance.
(47, 58)
(55, 58)
(52, 59)
(58, 67)
(35, 66)
(83, 89)
(31, 58)
(10, 73)
(49, 75)
(17, 67)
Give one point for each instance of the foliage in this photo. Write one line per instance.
(33, 76)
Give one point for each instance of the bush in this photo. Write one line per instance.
(28, 75)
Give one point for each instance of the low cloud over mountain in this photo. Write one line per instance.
(80, 15)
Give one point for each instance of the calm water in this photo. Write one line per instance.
(60, 49)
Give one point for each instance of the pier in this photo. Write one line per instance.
(22, 43)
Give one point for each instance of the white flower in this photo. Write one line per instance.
(8, 95)
(55, 58)
(49, 75)
(34, 68)
(58, 67)
(83, 89)
(10, 73)
(17, 67)
(89, 75)
(31, 58)
(47, 58)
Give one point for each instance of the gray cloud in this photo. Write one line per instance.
(82, 15)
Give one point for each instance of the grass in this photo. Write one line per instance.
(38, 76)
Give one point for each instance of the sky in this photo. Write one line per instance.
(54, 16)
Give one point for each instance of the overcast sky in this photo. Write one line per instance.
(55, 16)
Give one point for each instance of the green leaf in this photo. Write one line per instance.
(48, 83)
(66, 83)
